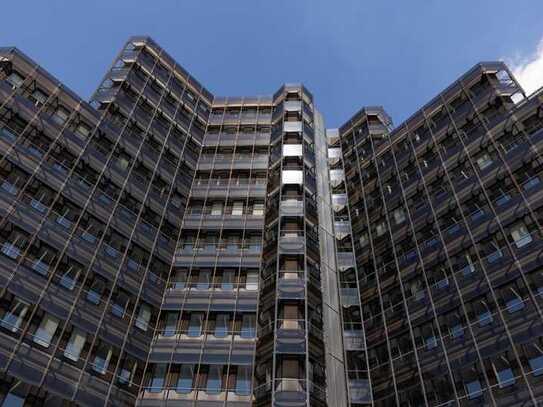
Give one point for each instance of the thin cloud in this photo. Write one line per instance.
(529, 71)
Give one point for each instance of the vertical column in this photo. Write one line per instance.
(291, 356)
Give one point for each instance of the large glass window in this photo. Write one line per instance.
(46, 330)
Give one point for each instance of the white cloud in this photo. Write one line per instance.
(529, 71)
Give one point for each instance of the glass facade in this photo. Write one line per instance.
(164, 246)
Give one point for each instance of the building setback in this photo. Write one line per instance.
(161, 246)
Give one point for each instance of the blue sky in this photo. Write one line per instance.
(348, 53)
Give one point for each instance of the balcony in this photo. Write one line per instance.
(235, 162)
(353, 338)
(290, 336)
(292, 242)
(360, 391)
(345, 260)
(290, 392)
(291, 284)
(291, 207)
(221, 254)
(349, 296)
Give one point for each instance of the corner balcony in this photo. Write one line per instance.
(291, 284)
(291, 207)
(290, 392)
(353, 337)
(290, 336)
(292, 242)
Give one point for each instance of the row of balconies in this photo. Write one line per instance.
(30, 157)
(233, 162)
(81, 249)
(236, 139)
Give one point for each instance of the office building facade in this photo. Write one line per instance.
(162, 246)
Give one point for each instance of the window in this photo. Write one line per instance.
(170, 324)
(75, 345)
(399, 215)
(237, 209)
(222, 322)
(95, 292)
(82, 130)
(15, 80)
(252, 281)
(505, 377)
(158, 379)
(521, 236)
(457, 331)
(431, 342)
(60, 116)
(473, 389)
(13, 400)
(243, 380)
(515, 304)
(216, 209)
(227, 282)
(381, 229)
(184, 382)
(126, 373)
(46, 331)
(258, 209)
(101, 359)
(39, 97)
(195, 325)
(119, 305)
(203, 280)
(484, 161)
(13, 318)
(248, 326)
(485, 318)
(214, 382)
(531, 183)
(40, 266)
(180, 279)
(10, 250)
(537, 365)
(144, 317)
(363, 239)
(69, 278)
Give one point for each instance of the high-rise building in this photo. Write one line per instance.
(162, 246)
